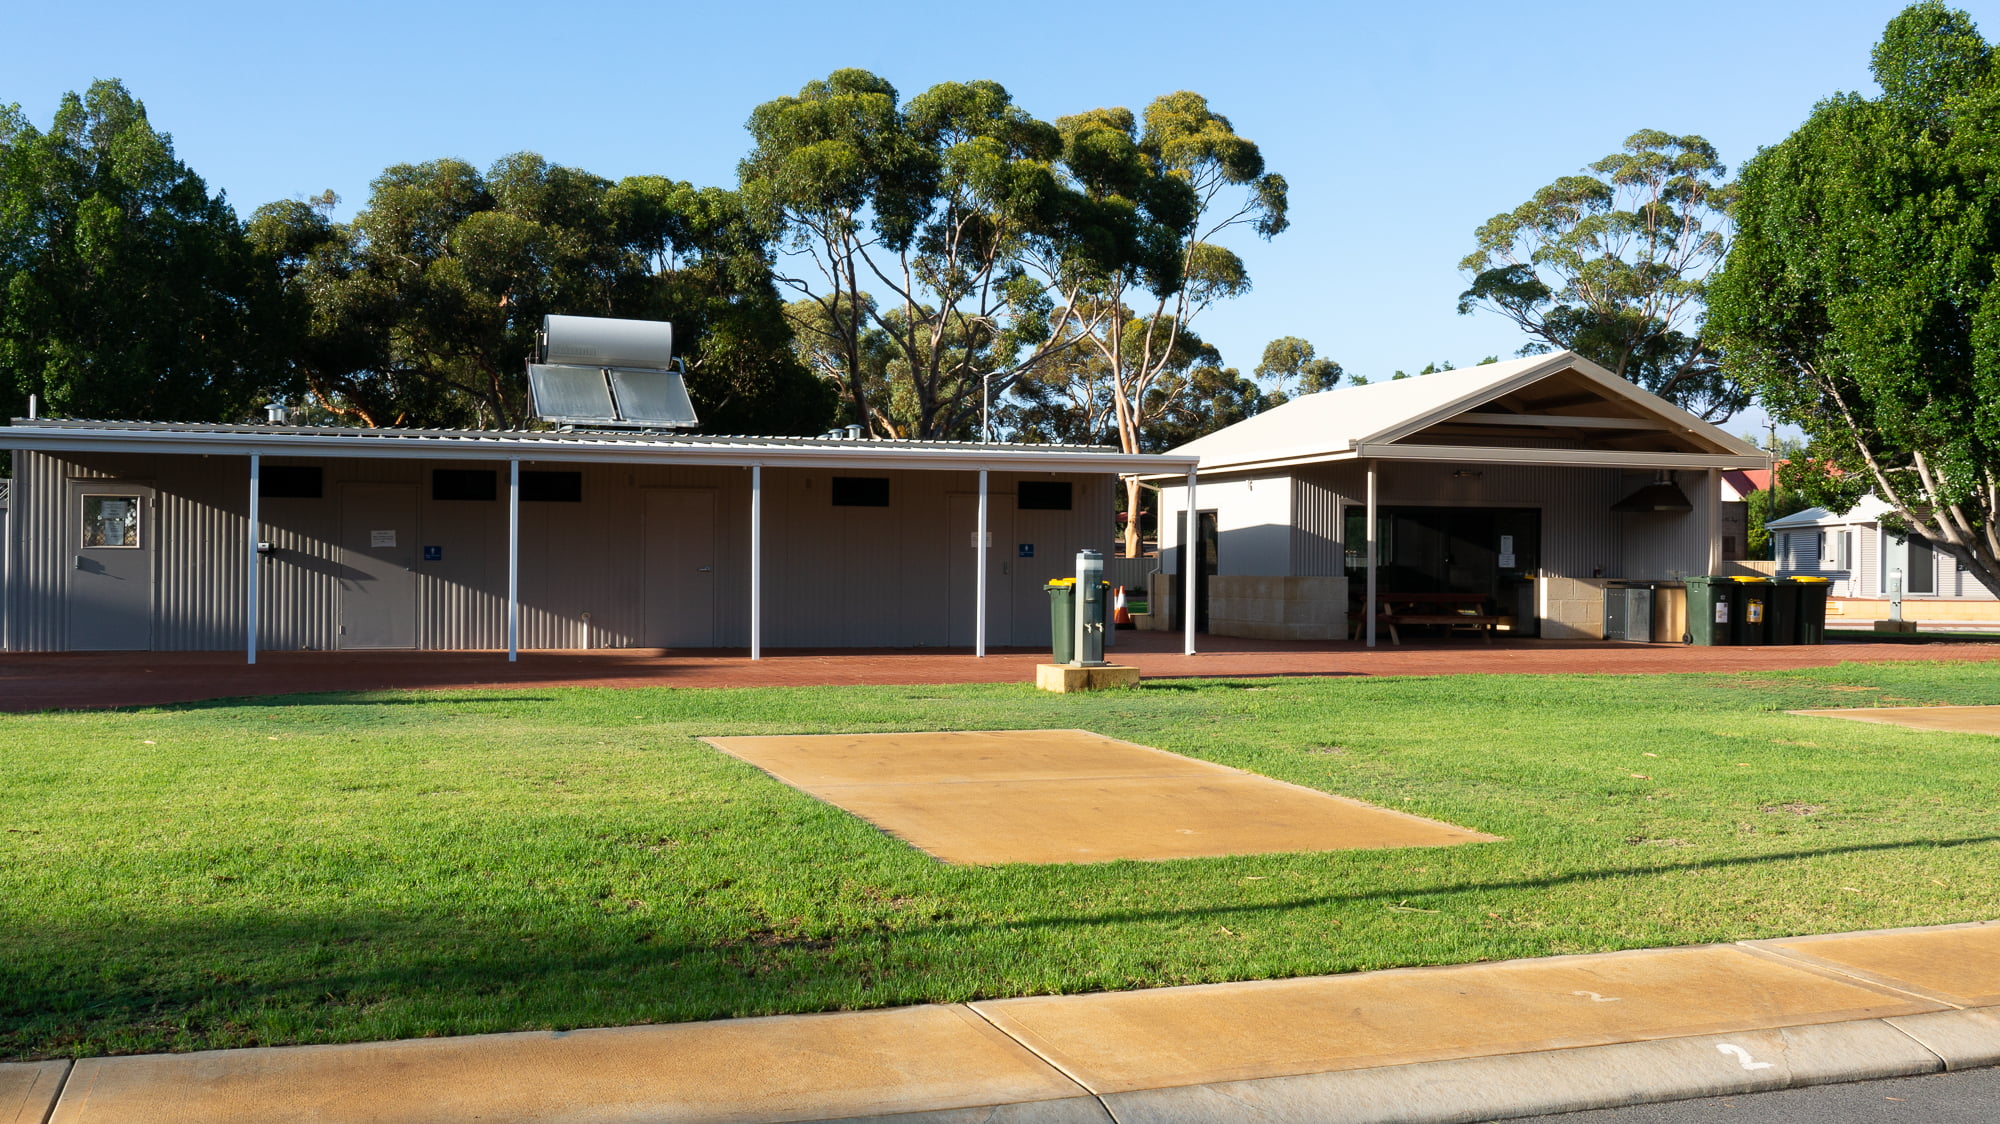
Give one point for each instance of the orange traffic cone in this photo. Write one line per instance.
(1121, 617)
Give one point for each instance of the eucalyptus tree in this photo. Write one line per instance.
(127, 290)
(1861, 299)
(1613, 265)
(1179, 181)
(1289, 360)
(919, 223)
(422, 310)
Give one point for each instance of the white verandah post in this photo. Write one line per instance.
(1190, 533)
(1714, 505)
(1368, 606)
(979, 540)
(756, 561)
(513, 560)
(250, 582)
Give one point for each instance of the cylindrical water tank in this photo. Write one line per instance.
(600, 341)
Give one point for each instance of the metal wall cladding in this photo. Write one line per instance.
(200, 556)
(898, 576)
(1316, 549)
(1667, 544)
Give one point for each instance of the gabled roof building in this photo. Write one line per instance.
(1533, 483)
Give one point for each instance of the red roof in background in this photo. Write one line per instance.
(1747, 480)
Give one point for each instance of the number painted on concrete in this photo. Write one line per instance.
(1596, 998)
(1741, 1055)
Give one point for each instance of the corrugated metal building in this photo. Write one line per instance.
(1532, 483)
(140, 536)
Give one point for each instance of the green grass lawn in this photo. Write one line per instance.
(330, 868)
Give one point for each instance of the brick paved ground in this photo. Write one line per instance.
(40, 681)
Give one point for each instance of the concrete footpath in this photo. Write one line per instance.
(1465, 1043)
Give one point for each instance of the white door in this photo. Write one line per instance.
(378, 580)
(964, 547)
(680, 568)
(111, 532)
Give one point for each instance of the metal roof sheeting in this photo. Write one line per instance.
(75, 435)
(1366, 420)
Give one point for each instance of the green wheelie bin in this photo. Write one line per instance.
(1753, 610)
(1812, 593)
(1062, 618)
(1711, 610)
(1781, 613)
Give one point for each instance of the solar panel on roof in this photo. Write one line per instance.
(570, 394)
(652, 398)
(601, 371)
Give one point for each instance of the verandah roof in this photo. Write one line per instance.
(1557, 409)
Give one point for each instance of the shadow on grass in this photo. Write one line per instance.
(1408, 893)
(251, 981)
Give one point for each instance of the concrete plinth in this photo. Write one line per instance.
(1061, 677)
(1895, 626)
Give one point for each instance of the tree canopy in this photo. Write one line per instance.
(1613, 265)
(422, 310)
(126, 288)
(1289, 360)
(1860, 300)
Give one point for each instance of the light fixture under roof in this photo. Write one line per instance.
(600, 371)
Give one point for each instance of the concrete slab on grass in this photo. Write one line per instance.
(1121, 1042)
(1959, 964)
(820, 760)
(931, 1059)
(1960, 719)
(28, 1089)
(1070, 796)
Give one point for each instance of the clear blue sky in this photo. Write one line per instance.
(1400, 127)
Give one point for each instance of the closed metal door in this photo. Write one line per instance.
(680, 568)
(378, 581)
(962, 527)
(111, 532)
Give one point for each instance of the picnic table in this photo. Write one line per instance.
(1455, 611)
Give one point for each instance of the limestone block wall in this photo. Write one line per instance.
(1278, 608)
(1575, 609)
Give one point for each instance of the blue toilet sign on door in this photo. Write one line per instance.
(433, 554)
(1026, 550)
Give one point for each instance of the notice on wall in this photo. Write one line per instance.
(1507, 560)
(381, 538)
(1507, 548)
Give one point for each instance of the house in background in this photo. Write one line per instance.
(1738, 485)
(1534, 483)
(137, 536)
(1863, 562)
